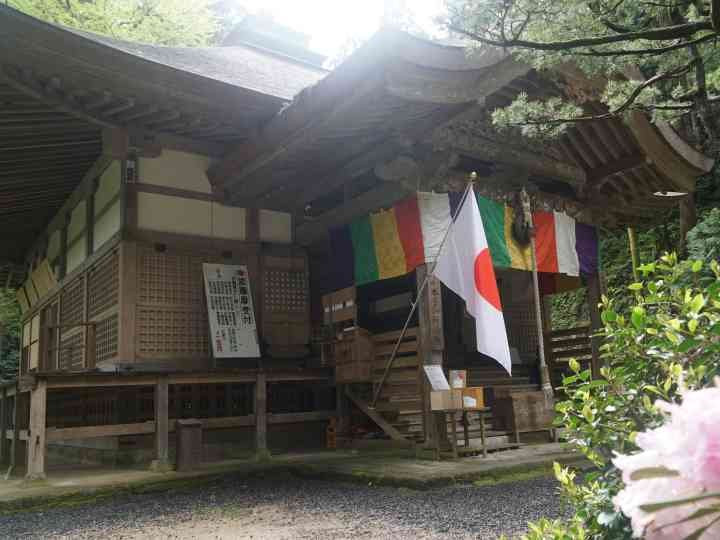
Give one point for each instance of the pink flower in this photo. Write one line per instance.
(678, 460)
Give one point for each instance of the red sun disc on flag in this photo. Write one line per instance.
(485, 279)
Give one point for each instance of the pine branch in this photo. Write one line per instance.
(654, 34)
(650, 51)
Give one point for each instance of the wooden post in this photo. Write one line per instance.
(3, 425)
(16, 433)
(261, 447)
(63, 247)
(127, 296)
(593, 299)
(161, 463)
(36, 432)
(343, 411)
(688, 219)
(632, 242)
(431, 344)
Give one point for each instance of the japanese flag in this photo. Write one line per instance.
(464, 265)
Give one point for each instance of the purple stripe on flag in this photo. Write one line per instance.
(342, 260)
(586, 244)
(455, 198)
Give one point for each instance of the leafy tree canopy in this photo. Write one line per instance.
(9, 334)
(659, 56)
(162, 22)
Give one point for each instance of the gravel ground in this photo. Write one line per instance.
(282, 506)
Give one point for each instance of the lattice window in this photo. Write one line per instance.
(170, 279)
(103, 285)
(172, 331)
(106, 339)
(286, 291)
(72, 352)
(72, 303)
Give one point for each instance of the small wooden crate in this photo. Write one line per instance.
(340, 306)
(523, 412)
(353, 356)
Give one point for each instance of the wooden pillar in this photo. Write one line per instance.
(62, 271)
(36, 432)
(161, 462)
(343, 411)
(90, 217)
(261, 416)
(127, 295)
(431, 345)
(3, 425)
(593, 298)
(688, 219)
(16, 433)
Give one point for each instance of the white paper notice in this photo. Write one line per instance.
(436, 377)
(230, 309)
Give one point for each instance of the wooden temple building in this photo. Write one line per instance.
(126, 167)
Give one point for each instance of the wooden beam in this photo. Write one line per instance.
(261, 416)
(598, 174)
(92, 432)
(36, 444)
(127, 295)
(161, 424)
(294, 418)
(231, 172)
(383, 424)
(384, 196)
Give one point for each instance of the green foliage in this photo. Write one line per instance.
(163, 22)
(658, 57)
(10, 332)
(546, 529)
(703, 240)
(666, 336)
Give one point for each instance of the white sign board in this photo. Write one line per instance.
(436, 377)
(233, 331)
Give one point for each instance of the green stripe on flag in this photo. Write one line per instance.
(493, 217)
(366, 266)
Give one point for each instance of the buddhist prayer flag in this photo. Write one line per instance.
(465, 266)
(395, 241)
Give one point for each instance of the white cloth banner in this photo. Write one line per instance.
(568, 262)
(434, 221)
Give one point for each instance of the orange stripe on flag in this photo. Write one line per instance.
(407, 215)
(545, 242)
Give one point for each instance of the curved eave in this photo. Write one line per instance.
(678, 161)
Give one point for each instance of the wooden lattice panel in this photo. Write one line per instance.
(170, 279)
(286, 291)
(71, 352)
(167, 331)
(286, 303)
(106, 339)
(73, 297)
(103, 285)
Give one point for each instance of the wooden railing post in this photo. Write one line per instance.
(16, 433)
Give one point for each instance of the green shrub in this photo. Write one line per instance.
(667, 338)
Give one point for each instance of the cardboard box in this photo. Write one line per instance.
(473, 398)
(458, 378)
(446, 400)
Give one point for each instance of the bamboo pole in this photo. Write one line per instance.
(544, 373)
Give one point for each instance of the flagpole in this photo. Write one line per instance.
(428, 275)
(544, 373)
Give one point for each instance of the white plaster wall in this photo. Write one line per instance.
(275, 227)
(166, 213)
(228, 222)
(178, 170)
(108, 186)
(106, 225)
(76, 254)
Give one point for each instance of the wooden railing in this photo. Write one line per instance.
(562, 345)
